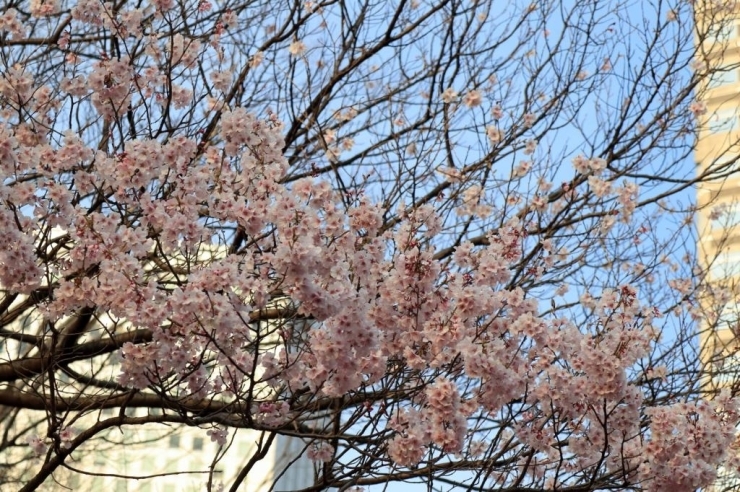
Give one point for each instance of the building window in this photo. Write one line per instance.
(727, 163)
(29, 321)
(727, 371)
(723, 33)
(725, 265)
(726, 480)
(723, 121)
(723, 76)
(174, 441)
(728, 318)
(729, 219)
(197, 444)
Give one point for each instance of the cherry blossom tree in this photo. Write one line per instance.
(440, 241)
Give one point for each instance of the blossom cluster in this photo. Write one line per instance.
(275, 296)
(367, 307)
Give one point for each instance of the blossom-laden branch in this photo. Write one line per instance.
(422, 237)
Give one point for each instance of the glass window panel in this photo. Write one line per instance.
(174, 441)
(727, 371)
(723, 76)
(727, 163)
(726, 32)
(726, 265)
(728, 318)
(726, 480)
(723, 121)
(729, 219)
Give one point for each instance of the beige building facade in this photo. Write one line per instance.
(717, 156)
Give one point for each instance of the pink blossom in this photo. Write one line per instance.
(522, 168)
(698, 108)
(229, 19)
(66, 435)
(494, 134)
(581, 164)
(321, 451)
(132, 20)
(44, 8)
(37, 444)
(208, 253)
(218, 435)
(221, 80)
(529, 119)
(472, 99)
(530, 146)
(9, 22)
(449, 95)
(599, 187)
(297, 48)
(163, 5)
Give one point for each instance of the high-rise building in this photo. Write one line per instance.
(151, 457)
(158, 457)
(154, 458)
(717, 156)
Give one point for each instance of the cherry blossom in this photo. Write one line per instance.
(218, 436)
(198, 223)
(530, 146)
(321, 452)
(529, 119)
(37, 444)
(449, 95)
(66, 435)
(472, 99)
(494, 134)
(698, 108)
(297, 48)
